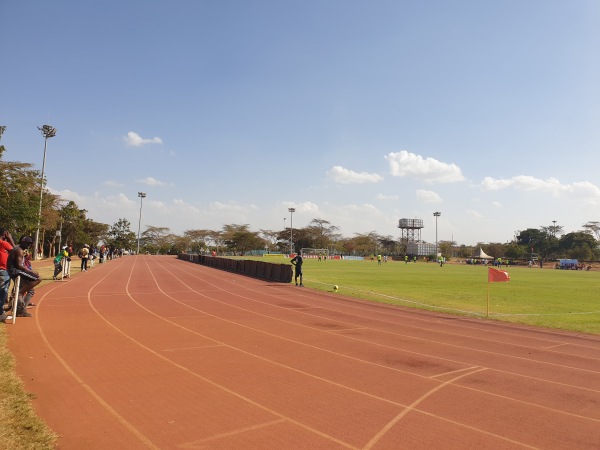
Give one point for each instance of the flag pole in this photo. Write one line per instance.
(487, 312)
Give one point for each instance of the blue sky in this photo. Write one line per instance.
(359, 113)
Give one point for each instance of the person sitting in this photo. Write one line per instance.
(16, 268)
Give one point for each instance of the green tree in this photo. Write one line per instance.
(388, 244)
(361, 244)
(446, 248)
(593, 227)
(239, 238)
(538, 241)
(578, 245)
(120, 235)
(156, 240)
(322, 233)
(19, 196)
(197, 240)
(515, 251)
(270, 237)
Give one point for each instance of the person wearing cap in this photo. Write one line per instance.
(85, 253)
(58, 262)
(29, 278)
(6, 245)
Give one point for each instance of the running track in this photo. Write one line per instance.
(153, 352)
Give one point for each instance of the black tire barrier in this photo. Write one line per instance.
(281, 273)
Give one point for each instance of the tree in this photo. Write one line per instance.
(197, 239)
(361, 244)
(238, 238)
(120, 235)
(322, 233)
(270, 237)
(19, 196)
(156, 240)
(593, 227)
(538, 241)
(388, 244)
(446, 247)
(515, 251)
(579, 245)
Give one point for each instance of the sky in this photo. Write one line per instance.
(358, 113)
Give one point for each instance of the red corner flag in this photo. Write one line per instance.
(495, 275)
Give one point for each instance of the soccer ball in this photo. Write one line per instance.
(335, 287)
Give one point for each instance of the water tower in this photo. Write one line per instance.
(410, 230)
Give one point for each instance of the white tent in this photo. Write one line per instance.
(483, 255)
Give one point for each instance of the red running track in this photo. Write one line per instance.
(153, 352)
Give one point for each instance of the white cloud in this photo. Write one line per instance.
(384, 197)
(135, 140)
(151, 181)
(302, 207)
(497, 204)
(428, 196)
(405, 164)
(232, 207)
(474, 214)
(112, 183)
(346, 176)
(526, 183)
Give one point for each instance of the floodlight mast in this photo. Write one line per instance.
(142, 196)
(48, 132)
(292, 211)
(436, 215)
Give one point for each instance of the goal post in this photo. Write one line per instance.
(314, 253)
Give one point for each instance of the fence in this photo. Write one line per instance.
(259, 269)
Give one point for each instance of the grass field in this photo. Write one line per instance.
(562, 299)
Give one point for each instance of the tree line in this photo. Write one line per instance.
(66, 223)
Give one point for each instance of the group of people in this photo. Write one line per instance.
(15, 261)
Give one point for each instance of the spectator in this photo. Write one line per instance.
(58, 262)
(6, 245)
(84, 253)
(29, 279)
(27, 265)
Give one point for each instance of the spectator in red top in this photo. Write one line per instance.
(6, 245)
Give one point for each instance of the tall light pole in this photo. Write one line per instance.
(47, 132)
(436, 215)
(292, 211)
(284, 224)
(142, 196)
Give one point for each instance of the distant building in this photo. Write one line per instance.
(420, 248)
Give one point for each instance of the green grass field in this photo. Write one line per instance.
(562, 299)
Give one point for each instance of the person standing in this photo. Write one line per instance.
(297, 263)
(58, 262)
(85, 253)
(6, 245)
